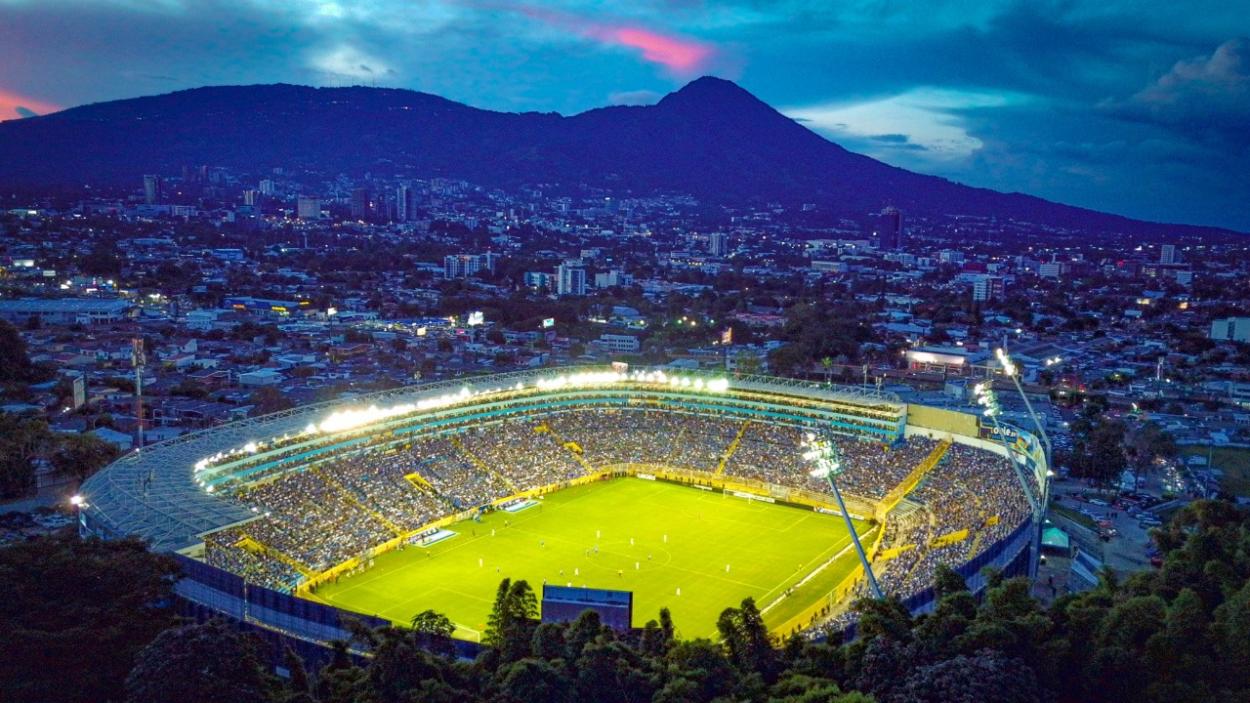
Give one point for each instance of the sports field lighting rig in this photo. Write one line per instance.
(1013, 372)
(824, 453)
(988, 399)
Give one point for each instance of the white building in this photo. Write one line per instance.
(461, 265)
(718, 244)
(64, 311)
(618, 343)
(571, 278)
(308, 208)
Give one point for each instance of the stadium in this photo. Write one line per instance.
(686, 489)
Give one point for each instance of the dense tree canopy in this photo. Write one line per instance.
(75, 613)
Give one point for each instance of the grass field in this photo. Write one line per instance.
(652, 538)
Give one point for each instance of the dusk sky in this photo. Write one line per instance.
(1140, 108)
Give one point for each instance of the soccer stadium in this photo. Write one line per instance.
(687, 489)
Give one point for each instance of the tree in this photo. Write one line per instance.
(509, 628)
(81, 455)
(268, 399)
(529, 680)
(209, 663)
(985, 677)
(15, 366)
(746, 638)
(76, 612)
(22, 441)
(433, 631)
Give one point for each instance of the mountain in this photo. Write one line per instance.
(711, 139)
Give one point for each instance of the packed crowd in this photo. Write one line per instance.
(971, 490)
(451, 474)
(773, 453)
(223, 550)
(326, 513)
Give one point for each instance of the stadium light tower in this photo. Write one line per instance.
(1013, 372)
(987, 398)
(824, 453)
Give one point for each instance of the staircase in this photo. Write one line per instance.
(569, 446)
(733, 447)
(353, 500)
(913, 479)
(481, 465)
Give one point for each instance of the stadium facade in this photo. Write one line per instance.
(177, 494)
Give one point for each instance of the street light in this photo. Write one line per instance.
(824, 453)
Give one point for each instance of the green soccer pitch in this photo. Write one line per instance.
(649, 537)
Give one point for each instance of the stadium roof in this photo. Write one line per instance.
(152, 493)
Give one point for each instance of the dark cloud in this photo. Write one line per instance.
(25, 111)
(1205, 97)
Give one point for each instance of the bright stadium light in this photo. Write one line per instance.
(824, 453)
(78, 501)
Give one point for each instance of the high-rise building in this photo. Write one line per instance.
(307, 208)
(1167, 254)
(987, 288)
(718, 244)
(251, 196)
(405, 204)
(890, 229)
(152, 191)
(571, 278)
(461, 265)
(360, 204)
(267, 187)
(490, 260)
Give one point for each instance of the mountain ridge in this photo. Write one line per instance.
(711, 139)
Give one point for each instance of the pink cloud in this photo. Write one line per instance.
(13, 106)
(681, 55)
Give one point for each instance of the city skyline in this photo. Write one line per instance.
(1126, 108)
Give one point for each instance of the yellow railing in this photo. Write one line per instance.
(949, 538)
(733, 447)
(908, 484)
(252, 544)
(573, 448)
(836, 600)
(418, 481)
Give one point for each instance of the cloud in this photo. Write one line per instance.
(634, 97)
(681, 56)
(924, 119)
(1206, 96)
(348, 62)
(15, 106)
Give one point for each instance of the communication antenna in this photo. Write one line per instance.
(139, 360)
